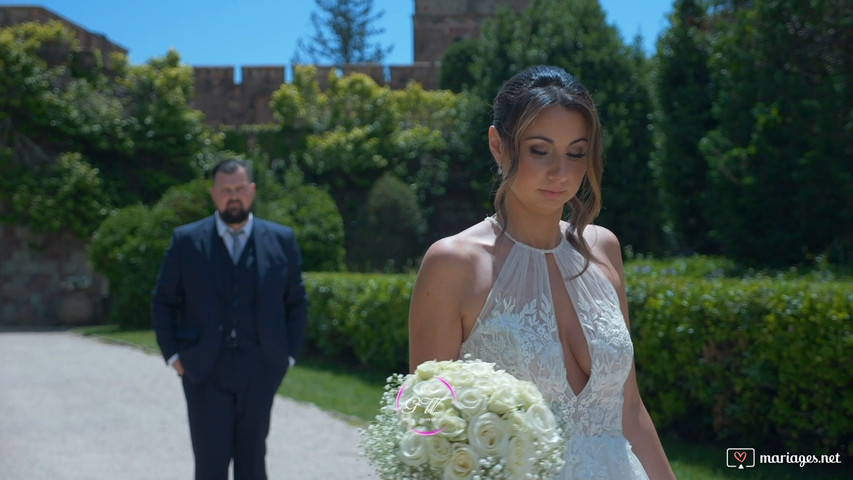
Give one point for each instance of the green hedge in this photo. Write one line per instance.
(752, 361)
(360, 317)
(758, 362)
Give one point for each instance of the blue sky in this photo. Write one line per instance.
(265, 32)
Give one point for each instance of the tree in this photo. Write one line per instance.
(455, 74)
(355, 132)
(171, 144)
(126, 131)
(575, 36)
(779, 154)
(394, 225)
(682, 88)
(342, 29)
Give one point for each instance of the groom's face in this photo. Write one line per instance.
(233, 194)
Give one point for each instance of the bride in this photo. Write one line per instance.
(541, 297)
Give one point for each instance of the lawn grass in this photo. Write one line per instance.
(143, 339)
(349, 392)
(354, 395)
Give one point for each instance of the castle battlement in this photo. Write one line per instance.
(226, 102)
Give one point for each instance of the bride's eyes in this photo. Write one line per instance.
(539, 152)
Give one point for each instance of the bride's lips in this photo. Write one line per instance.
(552, 194)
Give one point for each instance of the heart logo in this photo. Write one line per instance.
(740, 456)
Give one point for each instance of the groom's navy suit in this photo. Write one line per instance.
(234, 326)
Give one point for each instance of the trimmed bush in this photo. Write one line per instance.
(129, 247)
(389, 237)
(753, 361)
(360, 317)
(757, 361)
(318, 225)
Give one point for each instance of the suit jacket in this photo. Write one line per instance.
(187, 305)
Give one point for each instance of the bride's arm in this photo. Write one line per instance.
(640, 431)
(435, 313)
(636, 423)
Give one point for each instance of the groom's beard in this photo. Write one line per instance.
(235, 213)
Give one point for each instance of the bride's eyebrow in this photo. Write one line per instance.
(540, 137)
(551, 141)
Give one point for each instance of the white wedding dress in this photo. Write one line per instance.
(517, 330)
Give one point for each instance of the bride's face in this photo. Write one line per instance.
(552, 161)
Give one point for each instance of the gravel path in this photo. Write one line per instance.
(72, 407)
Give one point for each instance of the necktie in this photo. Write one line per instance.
(235, 244)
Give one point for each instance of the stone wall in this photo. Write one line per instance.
(47, 280)
(225, 102)
(89, 41)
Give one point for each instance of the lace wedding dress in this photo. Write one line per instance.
(517, 330)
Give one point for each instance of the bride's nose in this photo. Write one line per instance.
(559, 170)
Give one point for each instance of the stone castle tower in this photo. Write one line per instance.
(439, 23)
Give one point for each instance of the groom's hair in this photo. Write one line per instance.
(231, 165)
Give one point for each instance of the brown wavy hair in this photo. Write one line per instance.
(521, 99)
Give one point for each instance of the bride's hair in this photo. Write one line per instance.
(517, 105)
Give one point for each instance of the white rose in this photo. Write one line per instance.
(431, 389)
(404, 393)
(502, 400)
(412, 449)
(462, 465)
(460, 378)
(451, 425)
(439, 450)
(528, 394)
(541, 423)
(471, 402)
(487, 434)
(427, 370)
(520, 455)
(480, 369)
(516, 422)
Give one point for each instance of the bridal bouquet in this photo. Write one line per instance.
(463, 420)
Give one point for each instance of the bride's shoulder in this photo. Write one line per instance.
(604, 246)
(467, 245)
(461, 251)
(600, 238)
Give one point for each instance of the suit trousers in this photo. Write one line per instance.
(229, 414)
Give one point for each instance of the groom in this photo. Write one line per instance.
(230, 311)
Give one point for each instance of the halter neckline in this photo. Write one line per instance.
(563, 239)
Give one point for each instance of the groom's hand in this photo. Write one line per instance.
(178, 367)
